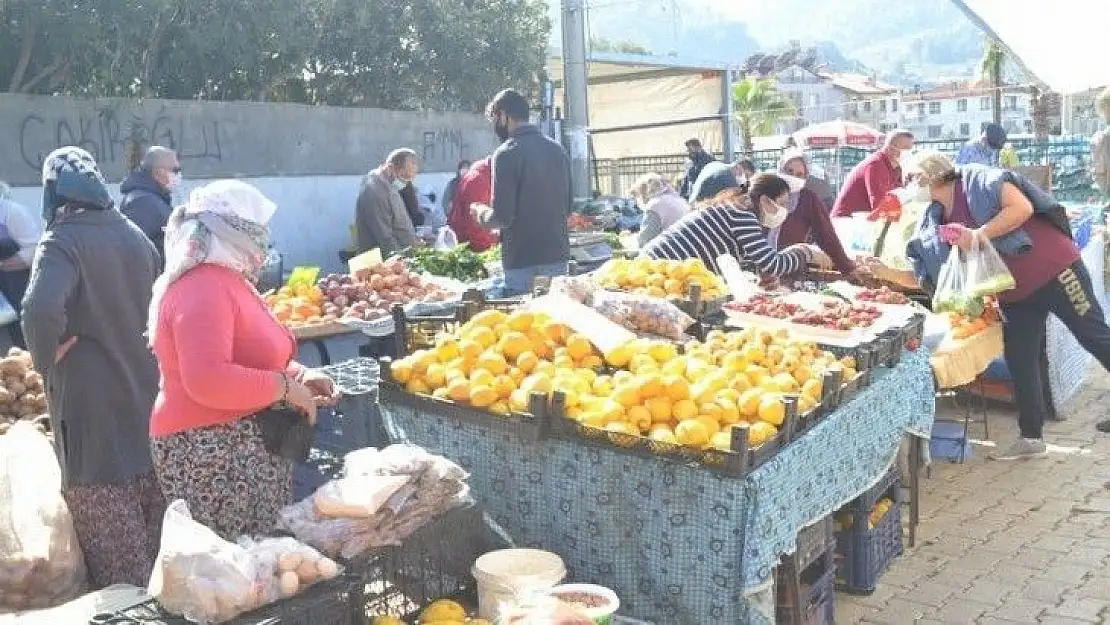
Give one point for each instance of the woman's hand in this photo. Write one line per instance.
(300, 397)
(958, 235)
(63, 349)
(818, 257)
(322, 387)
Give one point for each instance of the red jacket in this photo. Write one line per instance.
(866, 184)
(475, 187)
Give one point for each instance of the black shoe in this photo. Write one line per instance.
(1103, 426)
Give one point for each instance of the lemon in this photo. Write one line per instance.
(447, 351)
(640, 417)
(721, 440)
(493, 362)
(626, 394)
(711, 424)
(676, 387)
(536, 383)
(518, 400)
(642, 363)
(711, 410)
(482, 396)
(417, 386)
(659, 408)
(620, 356)
(730, 412)
(812, 389)
(662, 352)
(444, 609)
(684, 409)
(469, 349)
(692, 433)
(386, 620)
(760, 432)
(771, 409)
(520, 320)
(749, 402)
(401, 370)
(603, 385)
(436, 375)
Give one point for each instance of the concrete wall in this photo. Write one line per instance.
(307, 159)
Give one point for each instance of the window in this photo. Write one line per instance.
(867, 106)
(886, 127)
(934, 132)
(921, 108)
(961, 105)
(1011, 102)
(934, 108)
(814, 99)
(882, 106)
(1028, 123)
(894, 106)
(984, 103)
(965, 129)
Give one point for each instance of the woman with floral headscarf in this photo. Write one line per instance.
(83, 316)
(662, 205)
(224, 358)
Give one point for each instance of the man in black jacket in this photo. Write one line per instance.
(698, 159)
(531, 196)
(147, 193)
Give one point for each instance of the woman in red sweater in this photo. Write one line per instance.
(223, 358)
(474, 187)
(809, 217)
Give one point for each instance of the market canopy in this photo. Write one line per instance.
(1057, 42)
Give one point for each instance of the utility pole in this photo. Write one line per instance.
(575, 78)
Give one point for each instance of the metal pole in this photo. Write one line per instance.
(726, 118)
(575, 78)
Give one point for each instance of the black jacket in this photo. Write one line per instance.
(694, 165)
(412, 205)
(148, 206)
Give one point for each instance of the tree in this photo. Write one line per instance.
(758, 106)
(601, 44)
(434, 54)
(990, 69)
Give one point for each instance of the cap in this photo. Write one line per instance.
(716, 177)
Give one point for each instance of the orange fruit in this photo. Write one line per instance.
(482, 396)
(514, 344)
(493, 362)
(459, 389)
(527, 361)
(771, 409)
(640, 417)
(684, 410)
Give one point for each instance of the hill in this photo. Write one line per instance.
(908, 42)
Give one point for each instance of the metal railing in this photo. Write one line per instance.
(1069, 156)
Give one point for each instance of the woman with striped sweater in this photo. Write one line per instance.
(733, 224)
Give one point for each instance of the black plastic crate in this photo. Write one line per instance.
(891, 481)
(337, 601)
(864, 553)
(433, 563)
(815, 603)
(814, 541)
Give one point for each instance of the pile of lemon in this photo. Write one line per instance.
(659, 277)
(440, 612)
(496, 361)
(845, 520)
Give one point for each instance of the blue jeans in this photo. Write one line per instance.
(519, 281)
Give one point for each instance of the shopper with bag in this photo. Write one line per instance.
(84, 316)
(983, 210)
(231, 396)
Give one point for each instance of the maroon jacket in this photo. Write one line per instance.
(812, 217)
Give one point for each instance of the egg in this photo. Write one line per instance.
(290, 583)
(327, 568)
(289, 561)
(307, 572)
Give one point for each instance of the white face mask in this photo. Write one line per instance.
(919, 193)
(795, 183)
(399, 184)
(773, 219)
(175, 180)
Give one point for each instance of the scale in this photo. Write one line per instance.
(589, 249)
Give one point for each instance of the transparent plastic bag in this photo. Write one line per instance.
(201, 576)
(952, 294)
(987, 274)
(643, 313)
(41, 564)
(446, 240)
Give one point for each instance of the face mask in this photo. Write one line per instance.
(919, 193)
(905, 161)
(175, 180)
(772, 220)
(399, 184)
(795, 183)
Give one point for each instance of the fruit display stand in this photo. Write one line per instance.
(679, 543)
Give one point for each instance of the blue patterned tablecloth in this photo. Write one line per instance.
(680, 545)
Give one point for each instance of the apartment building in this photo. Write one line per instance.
(821, 97)
(961, 110)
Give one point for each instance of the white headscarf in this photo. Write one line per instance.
(225, 223)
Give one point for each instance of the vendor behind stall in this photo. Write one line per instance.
(732, 223)
(224, 361)
(84, 316)
(662, 205)
(809, 217)
(1029, 229)
(874, 177)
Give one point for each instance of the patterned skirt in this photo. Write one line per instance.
(231, 483)
(118, 527)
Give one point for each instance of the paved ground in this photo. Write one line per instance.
(1003, 543)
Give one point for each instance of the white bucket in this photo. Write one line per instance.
(506, 575)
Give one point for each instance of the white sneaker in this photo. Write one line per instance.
(1020, 449)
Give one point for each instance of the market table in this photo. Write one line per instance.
(680, 545)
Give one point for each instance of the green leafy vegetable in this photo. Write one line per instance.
(460, 263)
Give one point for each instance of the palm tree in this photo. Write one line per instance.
(990, 69)
(758, 106)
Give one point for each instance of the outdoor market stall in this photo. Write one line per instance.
(681, 536)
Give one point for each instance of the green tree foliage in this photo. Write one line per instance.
(433, 54)
(758, 106)
(990, 69)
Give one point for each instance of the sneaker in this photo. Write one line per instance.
(1020, 449)
(1103, 426)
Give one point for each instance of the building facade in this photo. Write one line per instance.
(962, 110)
(821, 97)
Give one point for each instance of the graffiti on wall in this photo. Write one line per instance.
(444, 146)
(106, 134)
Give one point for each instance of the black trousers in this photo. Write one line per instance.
(1071, 298)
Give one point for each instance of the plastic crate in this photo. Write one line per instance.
(334, 602)
(816, 603)
(863, 554)
(433, 563)
(814, 541)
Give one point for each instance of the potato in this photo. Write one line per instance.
(5, 396)
(306, 572)
(290, 583)
(16, 387)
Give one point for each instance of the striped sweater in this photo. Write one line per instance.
(711, 232)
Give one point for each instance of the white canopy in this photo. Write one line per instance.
(1060, 42)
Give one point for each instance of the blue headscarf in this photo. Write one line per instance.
(71, 179)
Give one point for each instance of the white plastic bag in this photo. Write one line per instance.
(952, 294)
(203, 577)
(987, 274)
(446, 240)
(41, 564)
